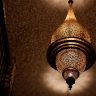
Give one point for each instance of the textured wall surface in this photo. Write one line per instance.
(30, 24)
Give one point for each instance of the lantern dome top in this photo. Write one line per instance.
(71, 28)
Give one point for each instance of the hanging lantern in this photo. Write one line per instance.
(70, 51)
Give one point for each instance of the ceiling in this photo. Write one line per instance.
(30, 24)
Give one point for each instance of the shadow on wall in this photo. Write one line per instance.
(84, 86)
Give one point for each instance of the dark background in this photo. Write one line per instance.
(30, 24)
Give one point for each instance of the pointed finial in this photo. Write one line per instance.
(70, 81)
(70, 14)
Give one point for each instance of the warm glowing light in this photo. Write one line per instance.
(54, 81)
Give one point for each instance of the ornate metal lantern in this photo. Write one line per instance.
(70, 51)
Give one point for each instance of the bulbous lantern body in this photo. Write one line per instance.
(70, 51)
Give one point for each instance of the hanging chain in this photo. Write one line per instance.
(68, 91)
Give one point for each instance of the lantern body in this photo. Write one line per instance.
(70, 51)
(71, 58)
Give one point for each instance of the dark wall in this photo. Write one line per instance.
(30, 24)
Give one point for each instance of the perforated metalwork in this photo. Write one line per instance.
(71, 58)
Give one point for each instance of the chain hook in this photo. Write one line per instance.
(70, 2)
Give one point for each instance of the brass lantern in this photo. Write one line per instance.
(70, 51)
